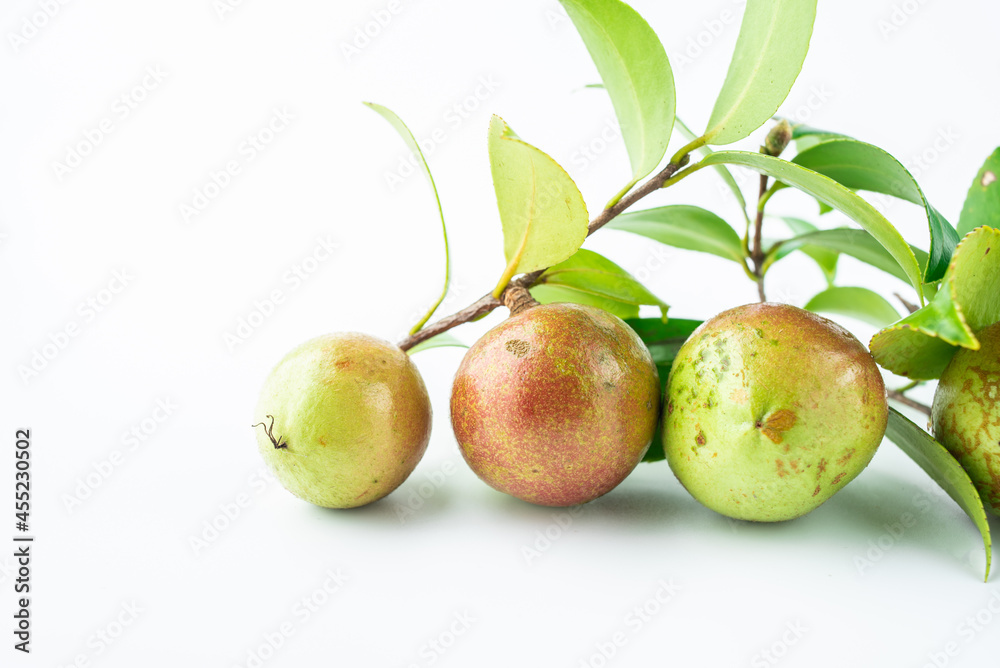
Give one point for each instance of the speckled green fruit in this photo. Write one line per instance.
(351, 416)
(966, 413)
(770, 411)
(556, 405)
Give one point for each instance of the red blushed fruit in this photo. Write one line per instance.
(556, 405)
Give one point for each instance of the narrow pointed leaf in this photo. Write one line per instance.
(859, 244)
(443, 340)
(636, 73)
(411, 143)
(982, 204)
(596, 275)
(940, 465)
(825, 258)
(723, 171)
(683, 226)
(858, 303)
(860, 166)
(825, 189)
(554, 294)
(543, 213)
(664, 340)
(771, 47)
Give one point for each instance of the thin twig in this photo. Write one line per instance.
(912, 308)
(899, 397)
(756, 252)
(487, 303)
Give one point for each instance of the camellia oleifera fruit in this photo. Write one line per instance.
(556, 405)
(966, 413)
(770, 411)
(343, 419)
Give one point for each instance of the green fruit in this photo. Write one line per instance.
(770, 410)
(556, 405)
(966, 413)
(351, 419)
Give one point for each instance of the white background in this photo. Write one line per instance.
(842, 586)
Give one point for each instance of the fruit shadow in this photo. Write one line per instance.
(633, 504)
(406, 505)
(886, 509)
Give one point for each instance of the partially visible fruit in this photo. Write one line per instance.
(966, 413)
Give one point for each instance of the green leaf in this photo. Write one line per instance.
(770, 50)
(800, 130)
(683, 226)
(543, 213)
(727, 176)
(637, 75)
(442, 340)
(921, 345)
(982, 204)
(826, 259)
(597, 276)
(664, 340)
(858, 303)
(859, 244)
(411, 143)
(832, 193)
(940, 465)
(553, 294)
(860, 166)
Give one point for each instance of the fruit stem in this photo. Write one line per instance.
(518, 299)
(899, 397)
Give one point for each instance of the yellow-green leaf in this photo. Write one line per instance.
(770, 50)
(543, 213)
(636, 73)
(921, 345)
